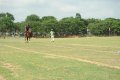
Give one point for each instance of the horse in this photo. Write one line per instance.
(27, 36)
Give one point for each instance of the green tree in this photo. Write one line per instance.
(48, 23)
(72, 26)
(34, 21)
(6, 22)
(32, 17)
(78, 15)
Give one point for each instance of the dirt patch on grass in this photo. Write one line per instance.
(11, 67)
(2, 78)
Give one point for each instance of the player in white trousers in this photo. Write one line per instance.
(52, 35)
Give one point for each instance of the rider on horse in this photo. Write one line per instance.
(28, 33)
(28, 29)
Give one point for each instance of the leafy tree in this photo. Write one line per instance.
(48, 23)
(72, 26)
(6, 22)
(78, 16)
(32, 17)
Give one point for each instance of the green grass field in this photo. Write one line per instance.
(90, 58)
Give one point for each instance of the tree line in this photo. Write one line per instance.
(65, 27)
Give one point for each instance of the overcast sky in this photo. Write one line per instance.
(61, 8)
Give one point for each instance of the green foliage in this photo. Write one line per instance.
(48, 23)
(68, 26)
(20, 26)
(6, 22)
(32, 17)
(72, 26)
(109, 26)
(78, 15)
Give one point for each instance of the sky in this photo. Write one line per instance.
(100, 9)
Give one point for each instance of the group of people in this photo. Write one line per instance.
(29, 29)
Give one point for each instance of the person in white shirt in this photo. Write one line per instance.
(52, 35)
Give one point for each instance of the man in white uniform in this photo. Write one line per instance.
(52, 35)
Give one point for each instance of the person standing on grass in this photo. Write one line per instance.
(52, 35)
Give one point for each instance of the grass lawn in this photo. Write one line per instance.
(87, 58)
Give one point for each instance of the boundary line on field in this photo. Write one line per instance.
(72, 58)
(82, 49)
